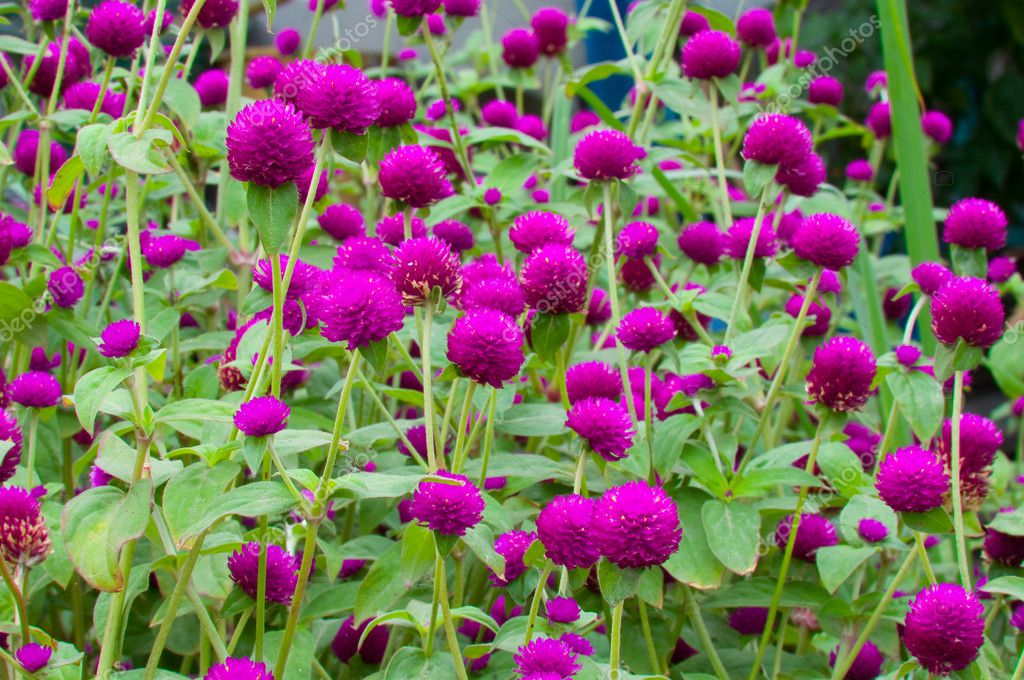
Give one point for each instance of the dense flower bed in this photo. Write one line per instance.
(410, 371)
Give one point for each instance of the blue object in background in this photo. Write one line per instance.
(606, 47)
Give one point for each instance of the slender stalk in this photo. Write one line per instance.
(318, 14)
(488, 443)
(168, 71)
(308, 550)
(428, 392)
(538, 595)
(616, 641)
(652, 472)
(955, 469)
(669, 33)
(33, 427)
(385, 53)
(19, 601)
(151, 51)
(460, 437)
(645, 625)
(842, 667)
(723, 186)
(613, 294)
(449, 623)
(1018, 670)
(697, 620)
(339, 418)
(460, 148)
(277, 324)
(787, 556)
(748, 262)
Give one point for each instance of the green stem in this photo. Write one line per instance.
(449, 623)
(19, 601)
(613, 294)
(308, 550)
(385, 53)
(787, 556)
(460, 436)
(748, 263)
(488, 443)
(645, 625)
(318, 14)
(277, 323)
(538, 595)
(168, 71)
(460, 149)
(339, 418)
(204, 215)
(923, 553)
(33, 426)
(958, 508)
(616, 641)
(697, 620)
(151, 52)
(428, 392)
(723, 186)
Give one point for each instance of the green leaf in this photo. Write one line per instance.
(533, 420)
(193, 491)
(843, 469)
(837, 562)
(1006, 362)
(251, 500)
(935, 521)
(379, 484)
(137, 155)
(300, 656)
(407, 25)
(1011, 523)
(92, 388)
(270, 7)
(98, 523)
(1006, 585)
(969, 261)
(921, 401)
(758, 590)
(12, 43)
(411, 662)
(91, 146)
(273, 209)
(548, 334)
(497, 134)
(694, 563)
(18, 316)
(418, 553)
(734, 538)
(376, 354)
(756, 176)
(380, 589)
(510, 174)
(350, 145)
(63, 182)
(254, 451)
(617, 584)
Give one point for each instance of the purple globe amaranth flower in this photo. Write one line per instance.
(448, 509)
(77, 65)
(867, 665)
(342, 221)
(804, 178)
(116, 27)
(907, 355)
(492, 196)
(537, 228)
(262, 416)
(554, 279)
(532, 126)
(980, 439)
(345, 644)
(10, 432)
(48, 10)
(417, 436)
(636, 525)
(565, 527)
(239, 669)
(748, 620)
(604, 424)
(341, 97)
(551, 25)
(212, 87)
(702, 242)
(895, 308)
(293, 78)
(737, 240)
(501, 293)
(461, 8)
(1001, 269)
(83, 96)
(119, 339)
(975, 223)
(305, 277)
(391, 229)
(397, 102)
(422, 264)
(486, 346)
(710, 54)
(33, 657)
(545, 659)
(606, 154)
(161, 252)
(813, 532)
(871, 530)
(281, 572)
(99, 477)
(512, 545)
(35, 389)
(825, 90)
(520, 48)
(414, 175)
(24, 538)
(359, 309)
(931, 276)
(879, 120)
(819, 314)
(214, 13)
(826, 240)
(599, 309)
(288, 41)
(562, 610)
(39, 361)
(638, 240)
(269, 144)
(414, 8)
(967, 309)
(777, 139)
(66, 287)
(841, 374)
(912, 479)
(165, 21)
(456, 234)
(944, 628)
(26, 149)
(644, 329)
(756, 27)
(263, 71)
(499, 113)
(860, 170)
(937, 126)
(592, 379)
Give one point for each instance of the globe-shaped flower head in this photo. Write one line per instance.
(341, 97)
(66, 287)
(397, 102)
(282, 572)
(931, 276)
(937, 126)
(48, 10)
(804, 178)
(520, 48)
(214, 13)
(827, 240)
(825, 90)
(537, 228)
(554, 279)
(867, 665)
(33, 657)
(565, 527)
(35, 389)
(239, 669)
(702, 242)
(24, 538)
(636, 525)
(944, 628)
(10, 433)
(813, 532)
(710, 54)
(342, 221)
(912, 479)
(969, 309)
(545, 659)
(262, 416)
(1004, 548)
(563, 610)
(212, 87)
(550, 25)
(756, 27)
(975, 223)
(449, 509)
(486, 346)
(644, 329)
(119, 339)
(269, 144)
(638, 240)
(288, 41)
(604, 424)
(879, 120)
(607, 154)
(414, 175)
(512, 546)
(422, 264)
(980, 439)
(263, 71)
(777, 139)
(414, 8)
(592, 379)
(841, 374)
(294, 77)
(116, 27)
(360, 308)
